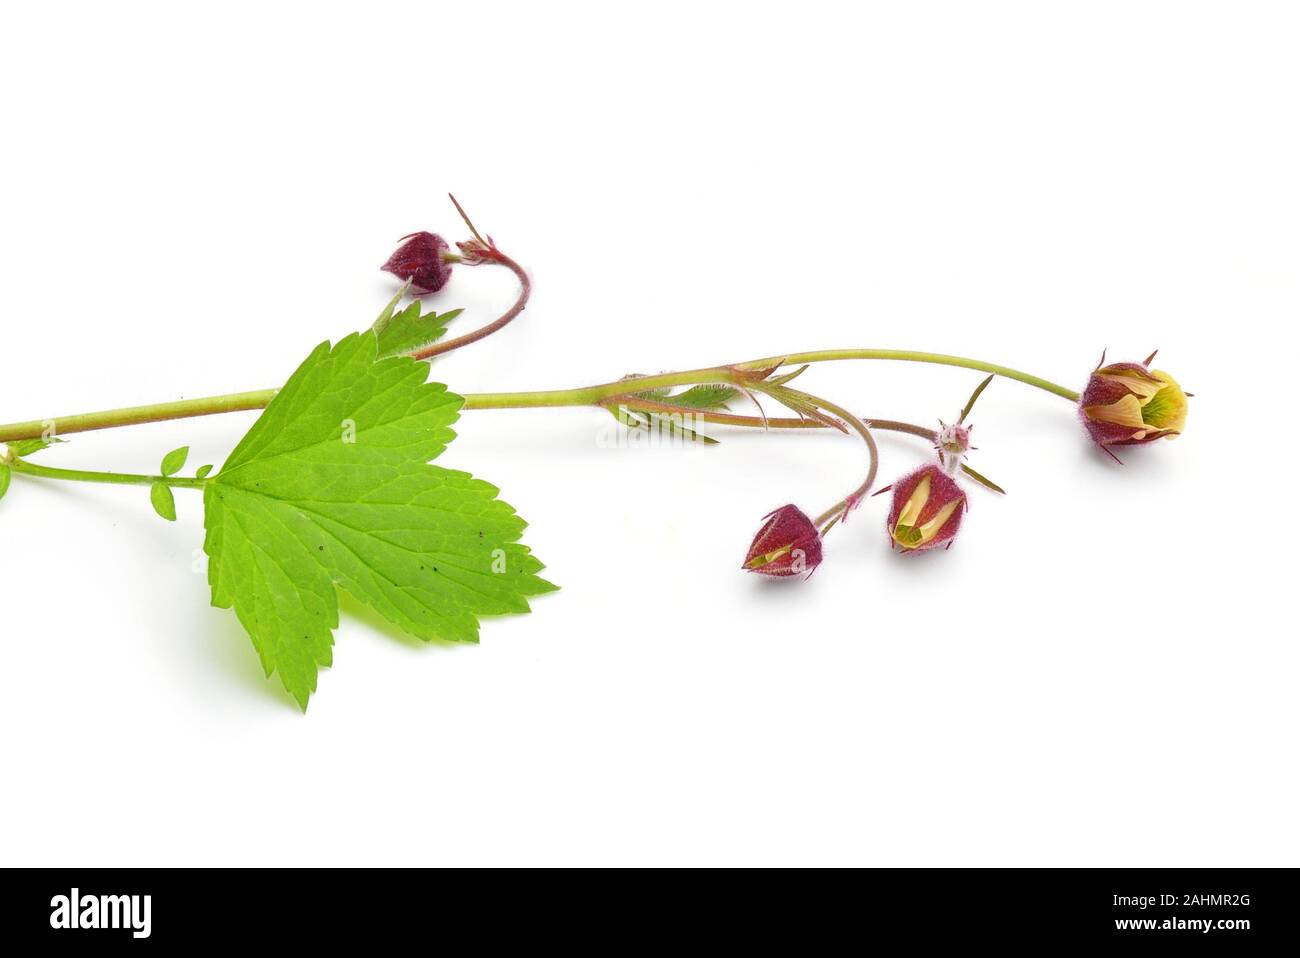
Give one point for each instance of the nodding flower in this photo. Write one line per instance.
(420, 261)
(927, 510)
(1126, 404)
(788, 544)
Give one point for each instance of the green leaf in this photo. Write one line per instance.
(709, 396)
(25, 447)
(332, 488)
(202, 472)
(6, 475)
(408, 330)
(164, 503)
(654, 395)
(387, 313)
(174, 461)
(786, 377)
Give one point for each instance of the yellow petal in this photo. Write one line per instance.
(932, 528)
(1167, 409)
(915, 503)
(906, 532)
(768, 558)
(1143, 385)
(1125, 412)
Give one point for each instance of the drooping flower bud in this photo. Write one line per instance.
(926, 511)
(1125, 404)
(787, 544)
(419, 260)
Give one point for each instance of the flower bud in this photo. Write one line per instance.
(952, 443)
(419, 261)
(1125, 404)
(787, 544)
(926, 510)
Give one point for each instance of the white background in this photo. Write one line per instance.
(1103, 669)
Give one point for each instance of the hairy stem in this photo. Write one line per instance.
(584, 396)
(134, 415)
(828, 518)
(913, 356)
(494, 255)
(474, 253)
(591, 395)
(114, 478)
(777, 422)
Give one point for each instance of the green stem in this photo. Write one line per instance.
(113, 478)
(134, 415)
(585, 396)
(598, 394)
(912, 356)
(591, 395)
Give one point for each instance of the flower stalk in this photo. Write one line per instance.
(475, 252)
(808, 404)
(20, 465)
(584, 396)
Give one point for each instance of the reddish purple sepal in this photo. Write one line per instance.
(943, 490)
(419, 261)
(788, 544)
(1102, 391)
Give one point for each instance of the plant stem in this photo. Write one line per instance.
(913, 356)
(473, 253)
(584, 396)
(113, 478)
(258, 399)
(598, 394)
(525, 290)
(133, 415)
(844, 506)
(777, 422)
(591, 395)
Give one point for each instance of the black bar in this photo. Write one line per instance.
(1235, 910)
